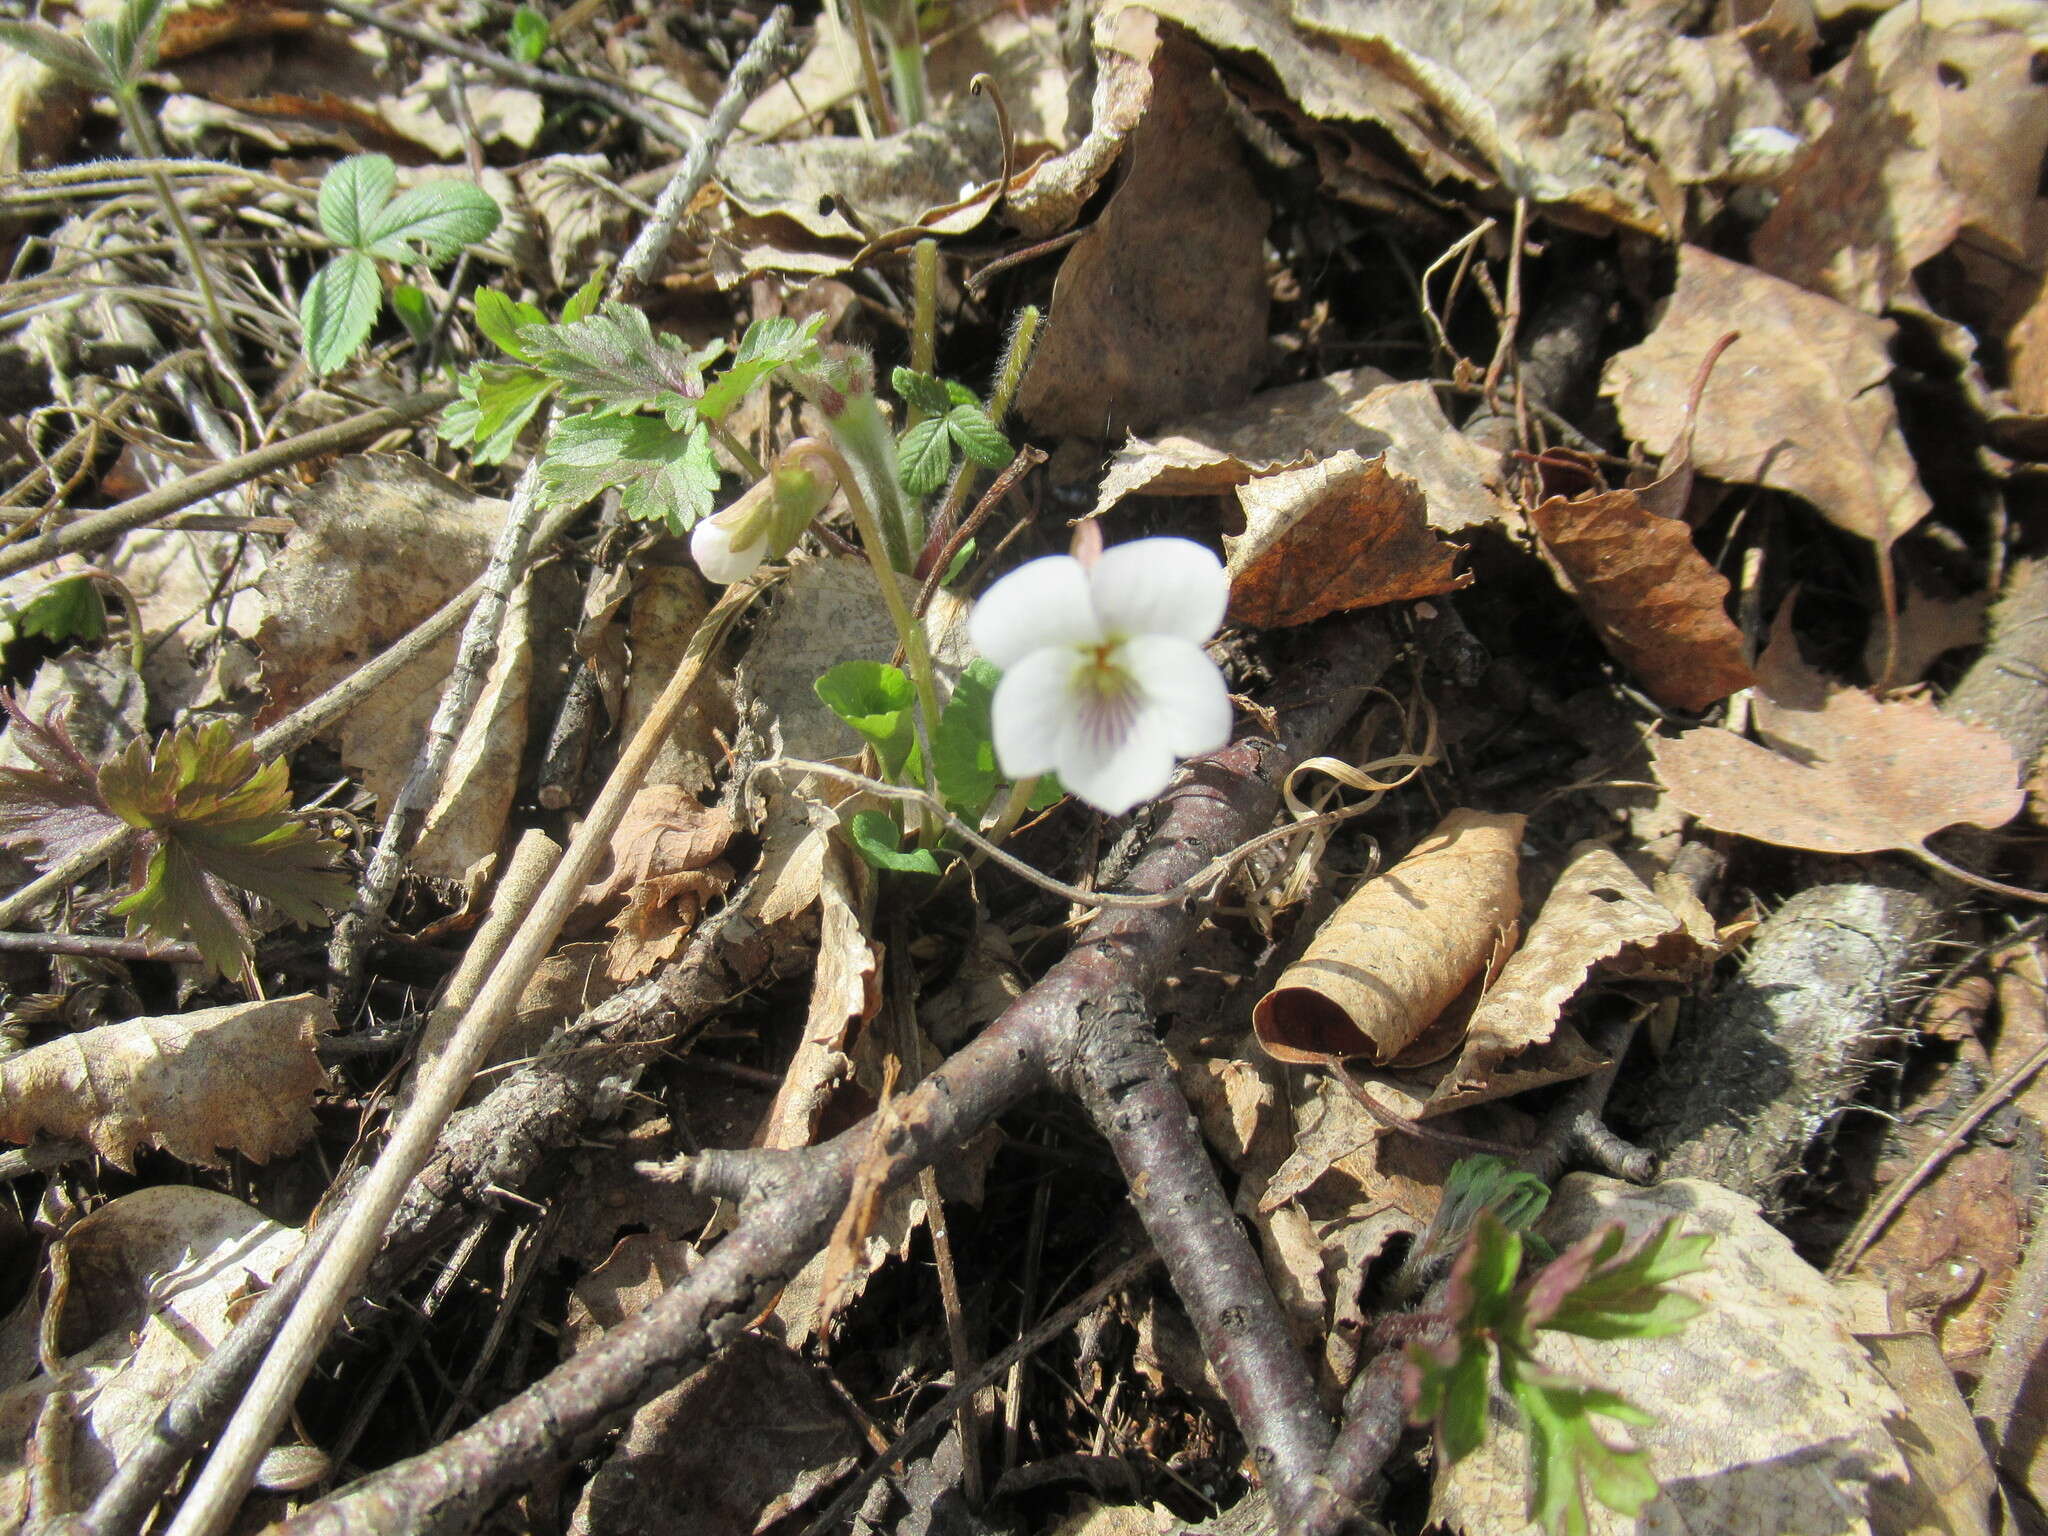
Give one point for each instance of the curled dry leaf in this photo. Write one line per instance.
(1346, 533)
(1799, 402)
(1769, 1415)
(239, 1078)
(156, 1281)
(665, 866)
(1849, 774)
(1401, 949)
(1160, 308)
(845, 992)
(1048, 197)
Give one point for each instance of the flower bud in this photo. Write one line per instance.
(767, 520)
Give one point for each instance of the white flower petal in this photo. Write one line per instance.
(720, 560)
(1183, 687)
(1114, 775)
(1041, 603)
(1035, 707)
(1160, 587)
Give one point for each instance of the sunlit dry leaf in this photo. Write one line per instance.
(1953, 1488)
(845, 992)
(1798, 403)
(239, 1078)
(1047, 198)
(665, 866)
(1401, 948)
(1866, 203)
(1658, 606)
(1160, 309)
(1930, 626)
(1346, 533)
(1850, 773)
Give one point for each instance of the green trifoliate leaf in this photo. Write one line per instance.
(1566, 1445)
(338, 310)
(217, 821)
(437, 219)
(135, 35)
(924, 456)
(963, 747)
(351, 196)
(921, 392)
(662, 475)
(978, 437)
(530, 35)
(60, 51)
(775, 342)
(877, 700)
(414, 313)
(613, 360)
(500, 318)
(879, 841)
(1592, 1290)
(67, 610)
(496, 402)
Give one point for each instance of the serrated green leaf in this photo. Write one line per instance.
(767, 345)
(352, 194)
(963, 746)
(338, 310)
(438, 218)
(499, 318)
(920, 391)
(877, 839)
(53, 808)
(924, 456)
(217, 821)
(100, 36)
(613, 360)
(60, 51)
(978, 437)
(135, 35)
(63, 611)
(1596, 1292)
(661, 474)
(530, 34)
(496, 402)
(1565, 1445)
(584, 299)
(877, 700)
(414, 313)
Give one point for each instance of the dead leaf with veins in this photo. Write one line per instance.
(665, 866)
(1344, 534)
(235, 1079)
(1844, 772)
(1798, 403)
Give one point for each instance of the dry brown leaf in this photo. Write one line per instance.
(1768, 1415)
(1160, 309)
(1930, 626)
(667, 607)
(239, 1078)
(1346, 533)
(1798, 403)
(845, 993)
(1866, 202)
(1401, 949)
(1049, 196)
(1657, 605)
(1953, 1488)
(665, 866)
(1851, 773)
(1291, 427)
(157, 1279)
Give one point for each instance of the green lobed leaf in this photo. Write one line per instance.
(499, 318)
(1596, 1292)
(877, 700)
(978, 437)
(438, 219)
(63, 611)
(768, 344)
(496, 402)
(530, 35)
(414, 312)
(963, 746)
(1565, 1446)
(352, 194)
(217, 821)
(924, 457)
(338, 310)
(613, 360)
(661, 474)
(959, 394)
(878, 840)
(53, 808)
(60, 51)
(921, 392)
(584, 299)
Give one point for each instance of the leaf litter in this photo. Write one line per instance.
(1392, 306)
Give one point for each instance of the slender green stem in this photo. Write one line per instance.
(906, 66)
(1014, 807)
(143, 132)
(741, 455)
(924, 324)
(1009, 374)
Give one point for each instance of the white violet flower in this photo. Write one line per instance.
(1104, 676)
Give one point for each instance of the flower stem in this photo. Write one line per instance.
(151, 151)
(739, 451)
(924, 311)
(1014, 807)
